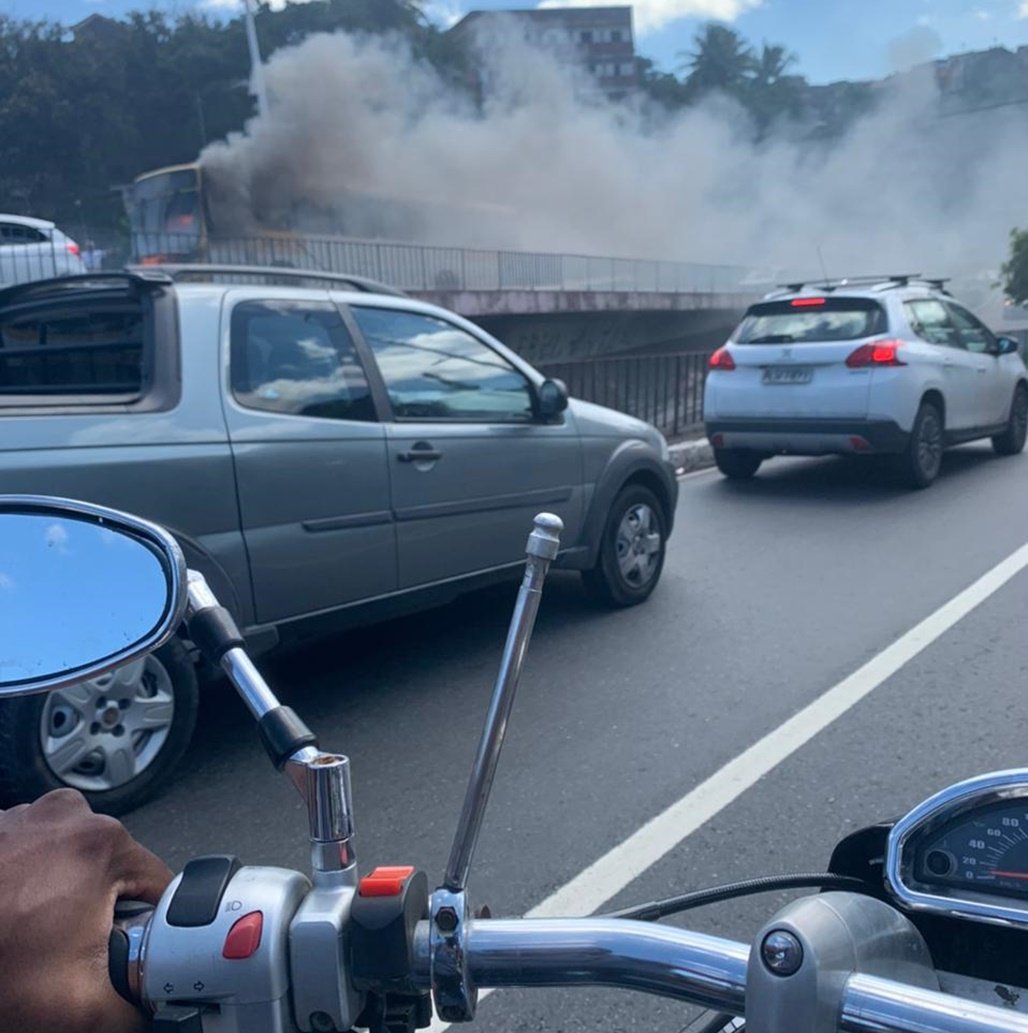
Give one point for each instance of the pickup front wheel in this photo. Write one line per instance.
(115, 738)
(632, 549)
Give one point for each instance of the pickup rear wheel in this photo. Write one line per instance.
(115, 738)
(631, 554)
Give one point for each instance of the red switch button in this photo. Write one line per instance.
(385, 882)
(244, 937)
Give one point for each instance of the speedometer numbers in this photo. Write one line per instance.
(987, 852)
(965, 851)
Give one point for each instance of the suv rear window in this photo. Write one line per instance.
(90, 350)
(809, 319)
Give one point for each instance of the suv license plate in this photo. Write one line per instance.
(788, 375)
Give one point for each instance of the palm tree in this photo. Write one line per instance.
(721, 60)
(772, 64)
(771, 94)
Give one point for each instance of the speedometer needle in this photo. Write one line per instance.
(1011, 875)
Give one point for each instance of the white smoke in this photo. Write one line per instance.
(541, 169)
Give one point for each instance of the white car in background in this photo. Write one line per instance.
(889, 365)
(35, 249)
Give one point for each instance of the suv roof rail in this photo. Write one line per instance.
(886, 279)
(129, 277)
(183, 271)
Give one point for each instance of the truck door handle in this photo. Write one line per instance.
(419, 455)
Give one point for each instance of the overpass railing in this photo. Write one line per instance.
(433, 268)
(665, 390)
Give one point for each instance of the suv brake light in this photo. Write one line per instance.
(722, 359)
(73, 249)
(876, 353)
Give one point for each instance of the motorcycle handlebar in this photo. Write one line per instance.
(693, 967)
(666, 961)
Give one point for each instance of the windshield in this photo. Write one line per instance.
(804, 320)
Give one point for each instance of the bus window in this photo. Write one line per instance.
(165, 213)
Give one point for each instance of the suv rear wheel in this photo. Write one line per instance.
(115, 738)
(919, 463)
(737, 463)
(1011, 441)
(631, 551)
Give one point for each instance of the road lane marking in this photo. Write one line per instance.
(611, 873)
(614, 871)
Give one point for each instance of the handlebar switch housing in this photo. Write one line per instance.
(831, 937)
(385, 913)
(382, 929)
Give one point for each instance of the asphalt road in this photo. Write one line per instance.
(773, 592)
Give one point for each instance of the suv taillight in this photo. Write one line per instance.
(877, 353)
(722, 359)
(73, 249)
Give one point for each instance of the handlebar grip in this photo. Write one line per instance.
(131, 919)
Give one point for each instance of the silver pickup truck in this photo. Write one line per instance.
(327, 452)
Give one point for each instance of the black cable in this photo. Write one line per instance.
(657, 909)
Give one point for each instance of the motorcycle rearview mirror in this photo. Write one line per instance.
(83, 589)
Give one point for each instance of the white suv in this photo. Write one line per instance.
(35, 249)
(889, 366)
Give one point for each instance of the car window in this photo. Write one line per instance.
(87, 350)
(434, 370)
(811, 319)
(297, 359)
(930, 320)
(974, 335)
(15, 233)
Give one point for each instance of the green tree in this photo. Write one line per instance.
(1015, 269)
(770, 93)
(721, 60)
(663, 87)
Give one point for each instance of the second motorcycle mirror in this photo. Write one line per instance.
(82, 590)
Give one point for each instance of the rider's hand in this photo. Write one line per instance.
(61, 870)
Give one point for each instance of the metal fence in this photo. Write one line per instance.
(424, 267)
(665, 390)
(22, 261)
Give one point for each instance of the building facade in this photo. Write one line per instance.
(596, 40)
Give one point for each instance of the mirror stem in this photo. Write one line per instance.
(543, 545)
(322, 779)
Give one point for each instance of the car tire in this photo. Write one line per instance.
(919, 463)
(69, 739)
(1012, 440)
(739, 464)
(632, 549)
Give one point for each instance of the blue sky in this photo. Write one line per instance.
(833, 39)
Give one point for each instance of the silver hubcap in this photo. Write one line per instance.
(638, 545)
(100, 734)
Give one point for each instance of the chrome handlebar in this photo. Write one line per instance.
(676, 963)
(687, 966)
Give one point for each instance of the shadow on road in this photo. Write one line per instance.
(352, 672)
(844, 480)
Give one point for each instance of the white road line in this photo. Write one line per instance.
(611, 873)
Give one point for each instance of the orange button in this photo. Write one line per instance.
(244, 937)
(385, 882)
